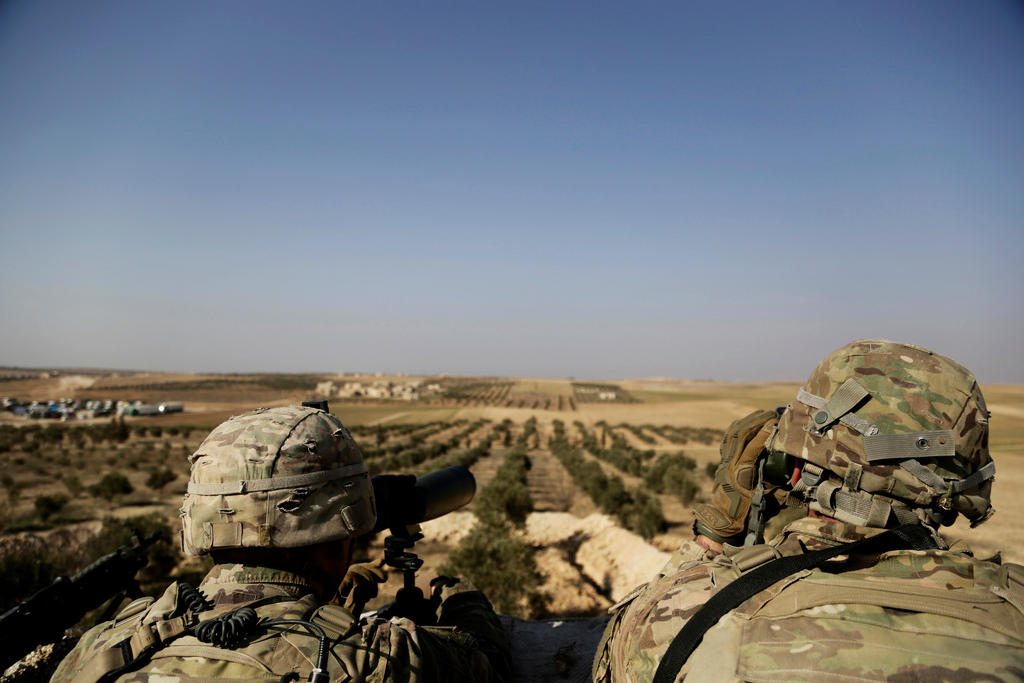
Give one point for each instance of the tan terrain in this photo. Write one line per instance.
(585, 559)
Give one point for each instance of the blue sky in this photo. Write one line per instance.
(707, 190)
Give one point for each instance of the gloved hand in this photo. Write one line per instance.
(724, 519)
(360, 585)
(439, 583)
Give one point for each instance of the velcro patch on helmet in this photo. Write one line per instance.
(932, 444)
(846, 398)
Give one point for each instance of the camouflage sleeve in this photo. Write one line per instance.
(469, 612)
(468, 644)
(83, 650)
(449, 654)
(601, 670)
(688, 555)
(645, 622)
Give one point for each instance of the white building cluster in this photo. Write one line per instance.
(383, 389)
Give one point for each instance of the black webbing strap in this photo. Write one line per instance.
(908, 536)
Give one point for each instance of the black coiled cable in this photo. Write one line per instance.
(189, 598)
(232, 630)
(229, 630)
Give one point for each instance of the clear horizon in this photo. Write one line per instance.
(586, 189)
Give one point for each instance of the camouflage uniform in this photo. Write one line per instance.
(395, 650)
(882, 434)
(900, 616)
(282, 478)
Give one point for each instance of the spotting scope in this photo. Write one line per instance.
(403, 500)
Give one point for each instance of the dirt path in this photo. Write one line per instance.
(553, 489)
(484, 468)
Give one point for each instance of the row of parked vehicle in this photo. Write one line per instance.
(75, 408)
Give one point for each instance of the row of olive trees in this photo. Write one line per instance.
(35, 438)
(635, 509)
(468, 457)
(418, 453)
(638, 432)
(672, 473)
(683, 435)
(494, 556)
(383, 432)
(412, 438)
(620, 456)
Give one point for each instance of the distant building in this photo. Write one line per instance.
(408, 391)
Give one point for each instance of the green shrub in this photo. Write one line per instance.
(159, 478)
(52, 434)
(77, 438)
(507, 495)
(48, 506)
(645, 516)
(501, 566)
(673, 473)
(11, 436)
(30, 562)
(112, 484)
(73, 485)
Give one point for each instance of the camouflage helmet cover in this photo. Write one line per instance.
(881, 415)
(278, 477)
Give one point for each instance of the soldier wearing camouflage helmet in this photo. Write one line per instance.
(275, 497)
(818, 556)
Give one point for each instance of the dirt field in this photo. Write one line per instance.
(210, 399)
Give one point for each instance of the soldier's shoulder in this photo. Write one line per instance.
(107, 633)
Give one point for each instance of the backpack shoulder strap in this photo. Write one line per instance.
(909, 536)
